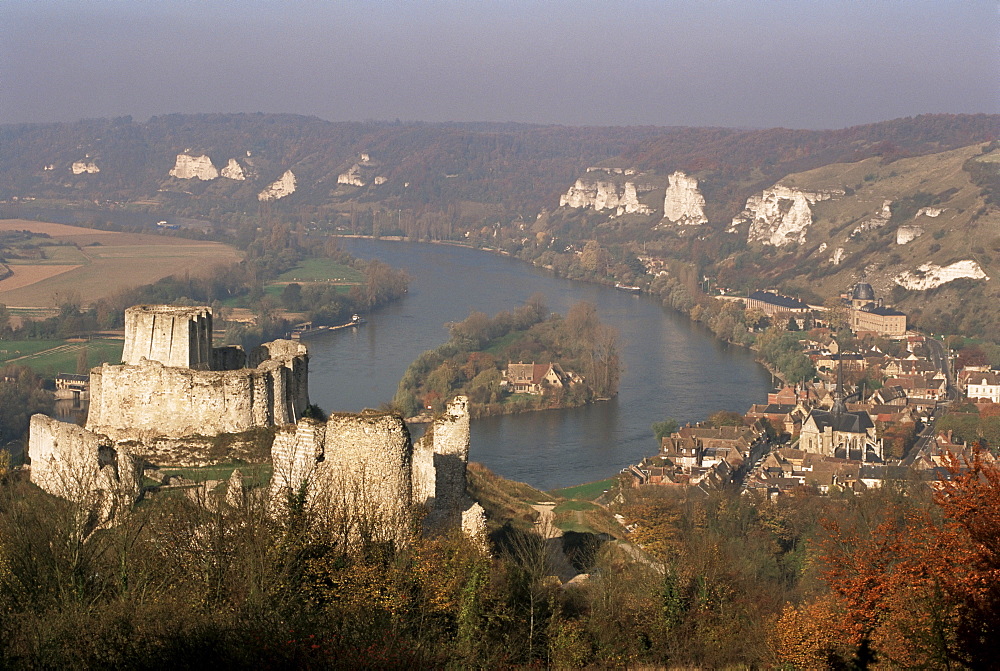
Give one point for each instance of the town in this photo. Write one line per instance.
(867, 417)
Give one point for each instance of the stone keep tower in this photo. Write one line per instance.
(180, 337)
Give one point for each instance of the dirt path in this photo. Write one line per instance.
(545, 525)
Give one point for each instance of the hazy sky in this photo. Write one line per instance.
(800, 64)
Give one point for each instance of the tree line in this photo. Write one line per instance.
(898, 577)
(471, 363)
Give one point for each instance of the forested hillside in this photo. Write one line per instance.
(518, 168)
(838, 195)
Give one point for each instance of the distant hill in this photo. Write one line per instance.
(516, 169)
(698, 195)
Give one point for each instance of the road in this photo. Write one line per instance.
(939, 357)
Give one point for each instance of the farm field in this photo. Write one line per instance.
(310, 271)
(94, 263)
(50, 357)
(321, 270)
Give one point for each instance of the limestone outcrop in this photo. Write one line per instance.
(283, 186)
(931, 276)
(352, 177)
(780, 215)
(84, 167)
(362, 173)
(683, 203)
(187, 166)
(233, 170)
(877, 220)
(908, 233)
(605, 194)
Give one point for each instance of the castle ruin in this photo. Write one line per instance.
(174, 394)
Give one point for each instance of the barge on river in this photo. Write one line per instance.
(306, 330)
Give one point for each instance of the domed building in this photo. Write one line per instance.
(862, 294)
(868, 314)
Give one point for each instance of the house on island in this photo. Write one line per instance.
(537, 378)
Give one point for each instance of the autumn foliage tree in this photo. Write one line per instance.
(911, 585)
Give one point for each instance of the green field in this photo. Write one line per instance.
(310, 271)
(254, 475)
(574, 505)
(50, 357)
(54, 255)
(321, 270)
(586, 492)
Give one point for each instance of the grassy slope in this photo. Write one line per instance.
(966, 229)
(509, 501)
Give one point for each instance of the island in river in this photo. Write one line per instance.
(518, 361)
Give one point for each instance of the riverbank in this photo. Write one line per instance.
(573, 361)
(669, 367)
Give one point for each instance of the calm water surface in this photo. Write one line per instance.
(672, 368)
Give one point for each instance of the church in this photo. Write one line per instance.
(840, 433)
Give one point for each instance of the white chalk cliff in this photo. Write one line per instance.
(629, 202)
(908, 233)
(233, 170)
(596, 194)
(192, 167)
(81, 167)
(357, 173)
(931, 276)
(780, 215)
(352, 177)
(878, 220)
(603, 194)
(683, 203)
(284, 186)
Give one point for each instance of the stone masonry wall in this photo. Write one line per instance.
(365, 480)
(150, 400)
(440, 461)
(295, 454)
(174, 336)
(80, 466)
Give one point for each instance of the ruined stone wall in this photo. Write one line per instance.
(174, 336)
(230, 357)
(150, 400)
(424, 482)
(365, 479)
(295, 454)
(294, 357)
(80, 466)
(440, 459)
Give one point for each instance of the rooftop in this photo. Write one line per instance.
(780, 301)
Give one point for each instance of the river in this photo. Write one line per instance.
(672, 367)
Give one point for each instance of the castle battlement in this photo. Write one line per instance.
(174, 393)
